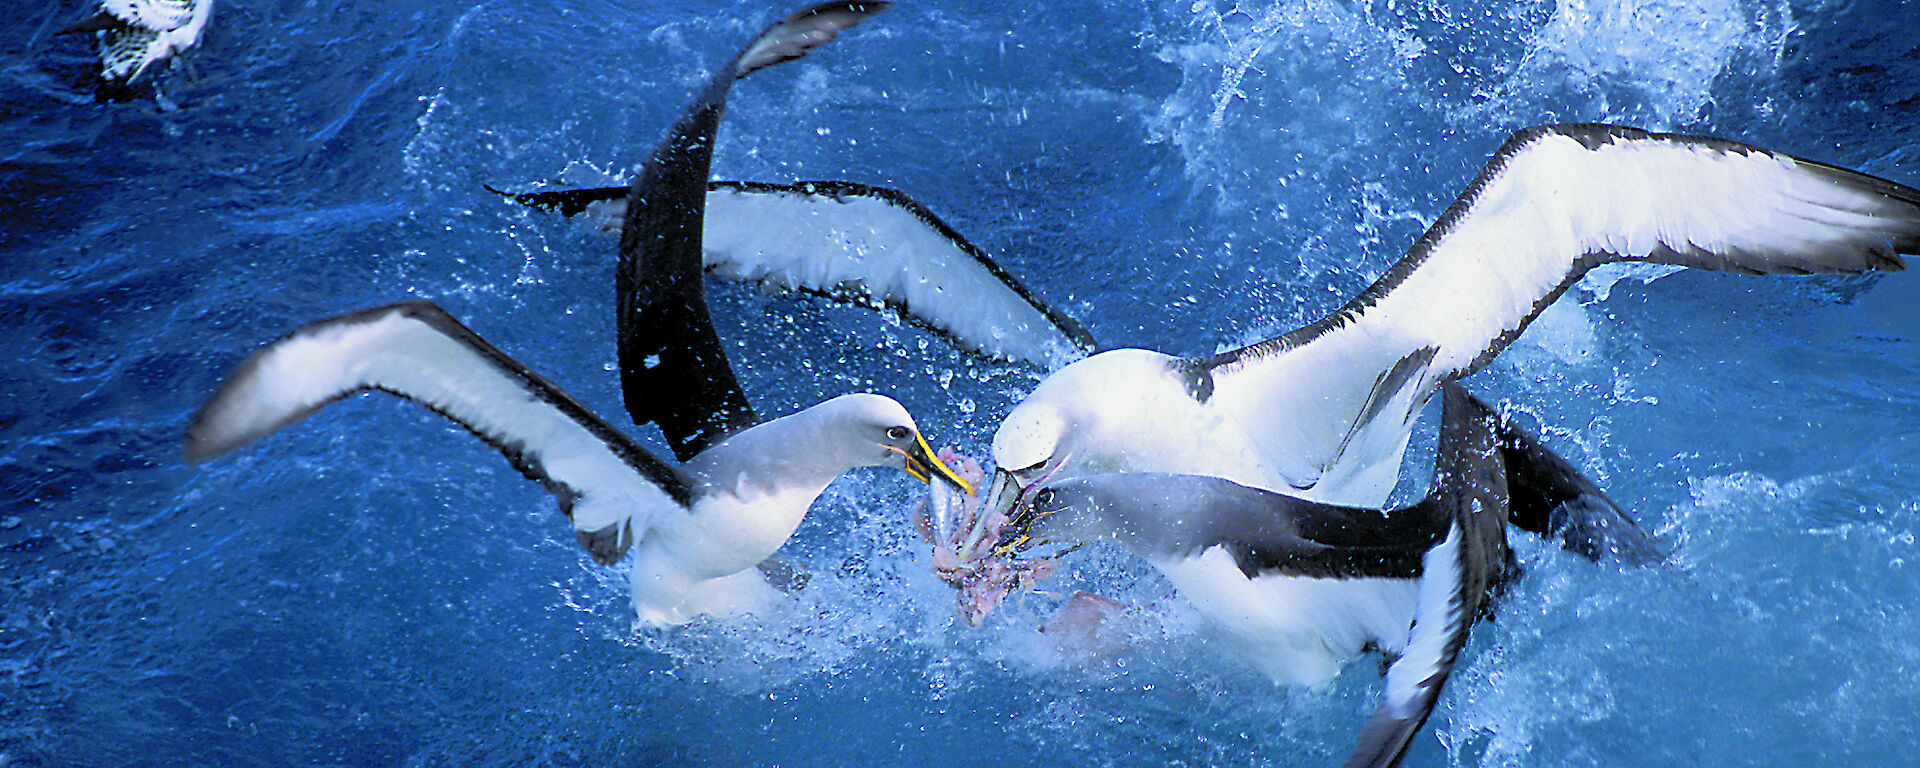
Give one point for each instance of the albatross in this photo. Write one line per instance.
(701, 534)
(698, 530)
(1324, 412)
(1306, 586)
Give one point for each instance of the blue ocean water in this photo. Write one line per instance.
(374, 587)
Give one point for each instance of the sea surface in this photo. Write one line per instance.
(372, 586)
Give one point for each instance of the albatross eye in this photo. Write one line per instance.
(1043, 499)
(897, 433)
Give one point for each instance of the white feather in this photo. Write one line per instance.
(154, 30)
(869, 245)
(1434, 619)
(404, 349)
(154, 15)
(747, 494)
(863, 245)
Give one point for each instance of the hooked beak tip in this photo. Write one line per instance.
(924, 466)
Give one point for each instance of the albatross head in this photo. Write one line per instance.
(1060, 510)
(1032, 444)
(876, 431)
(1100, 413)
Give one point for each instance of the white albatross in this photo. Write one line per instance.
(697, 531)
(1324, 412)
(702, 535)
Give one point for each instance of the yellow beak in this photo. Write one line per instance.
(923, 466)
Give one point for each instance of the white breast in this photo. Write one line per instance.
(705, 563)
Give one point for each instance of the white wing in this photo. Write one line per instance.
(608, 485)
(137, 33)
(1553, 203)
(879, 246)
(128, 51)
(866, 245)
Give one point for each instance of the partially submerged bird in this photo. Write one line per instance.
(1325, 411)
(136, 34)
(1302, 587)
(702, 533)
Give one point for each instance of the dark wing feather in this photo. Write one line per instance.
(1553, 499)
(1470, 493)
(673, 369)
(1169, 516)
(573, 202)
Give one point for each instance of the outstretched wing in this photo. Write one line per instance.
(609, 486)
(1470, 492)
(866, 245)
(673, 370)
(1554, 202)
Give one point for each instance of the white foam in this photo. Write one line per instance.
(1565, 332)
(1251, 107)
(1648, 62)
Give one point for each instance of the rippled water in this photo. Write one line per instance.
(374, 587)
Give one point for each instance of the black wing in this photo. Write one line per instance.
(1170, 516)
(1470, 491)
(673, 370)
(1553, 499)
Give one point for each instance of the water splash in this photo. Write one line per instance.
(1651, 63)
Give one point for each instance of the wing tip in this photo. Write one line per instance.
(98, 22)
(198, 447)
(223, 424)
(796, 35)
(1895, 207)
(1467, 474)
(566, 202)
(1384, 740)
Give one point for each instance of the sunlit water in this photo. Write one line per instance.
(374, 587)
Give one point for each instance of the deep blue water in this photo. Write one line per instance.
(373, 587)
